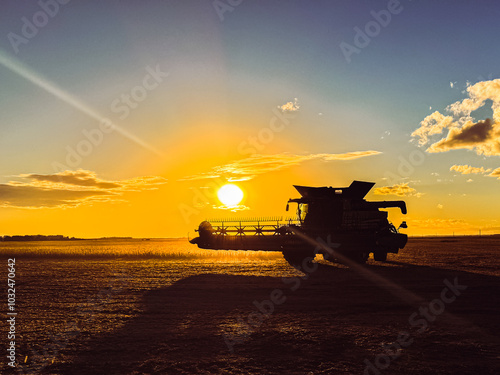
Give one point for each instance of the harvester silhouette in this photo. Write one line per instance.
(338, 215)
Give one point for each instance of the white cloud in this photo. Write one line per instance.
(463, 131)
(290, 106)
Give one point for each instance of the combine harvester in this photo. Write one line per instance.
(334, 215)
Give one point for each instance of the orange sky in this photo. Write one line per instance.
(129, 127)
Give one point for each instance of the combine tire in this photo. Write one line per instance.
(359, 257)
(299, 259)
(380, 256)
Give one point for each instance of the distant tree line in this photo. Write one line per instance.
(37, 237)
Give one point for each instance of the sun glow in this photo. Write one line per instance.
(230, 195)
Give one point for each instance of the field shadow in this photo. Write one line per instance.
(328, 323)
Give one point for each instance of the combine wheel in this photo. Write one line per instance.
(299, 259)
(380, 256)
(356, 256)
(359, 257)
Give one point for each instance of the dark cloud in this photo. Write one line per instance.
(477, 134)
(79, 178)
(37, 197)
(495, 173)
(69, 189)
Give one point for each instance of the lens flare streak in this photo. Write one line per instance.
(25, 72)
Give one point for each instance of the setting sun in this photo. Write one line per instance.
(230, 195)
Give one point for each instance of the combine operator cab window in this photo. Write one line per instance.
(302, 210)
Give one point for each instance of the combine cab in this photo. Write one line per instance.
(334, 215)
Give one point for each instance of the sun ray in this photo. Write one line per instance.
(22, 70)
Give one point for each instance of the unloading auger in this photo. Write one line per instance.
(339, 215)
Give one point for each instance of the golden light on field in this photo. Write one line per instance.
(230, 195)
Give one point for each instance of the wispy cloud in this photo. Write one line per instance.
(464, 132)
(399, 189)
(239, 207)
(440, 223)
(69, 189)
(467, 169)
(248, 168)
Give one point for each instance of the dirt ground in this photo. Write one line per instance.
(434, 309)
